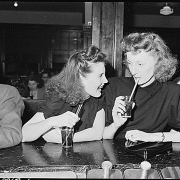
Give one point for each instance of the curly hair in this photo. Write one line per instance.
(67, 84)
(150, 42)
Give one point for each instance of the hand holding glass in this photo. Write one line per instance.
(128, 106)
(67, 133)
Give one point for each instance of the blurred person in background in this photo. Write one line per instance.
(33, 91)
(44, 76)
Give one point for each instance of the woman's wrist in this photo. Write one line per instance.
(51, 122)
(160, 137)
(115, 126)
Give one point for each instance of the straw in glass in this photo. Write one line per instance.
(78, 109)
(132, 93)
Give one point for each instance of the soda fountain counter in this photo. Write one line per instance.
(40, 159)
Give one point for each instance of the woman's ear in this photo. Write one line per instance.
(81, 77)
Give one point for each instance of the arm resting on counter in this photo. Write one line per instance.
(93, 133)
(38, 125)
(89, 134)
(135, 135)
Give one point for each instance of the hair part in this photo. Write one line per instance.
(166, 64)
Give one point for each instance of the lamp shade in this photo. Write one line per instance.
(166, 10)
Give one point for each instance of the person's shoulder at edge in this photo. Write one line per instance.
(7, 88)
(10, 94)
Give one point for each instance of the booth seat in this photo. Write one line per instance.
(32, 106)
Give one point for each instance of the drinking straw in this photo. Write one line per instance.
(78, 109)
(133, 90)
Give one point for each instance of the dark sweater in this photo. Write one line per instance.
(54, 106)
(157, 105)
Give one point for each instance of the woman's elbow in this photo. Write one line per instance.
(25, 135)
(107, 136)
(99, 136)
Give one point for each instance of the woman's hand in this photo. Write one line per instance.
(137, 135)
(118, 109)
(66, 119)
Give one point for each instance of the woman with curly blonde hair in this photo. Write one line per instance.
(79, 83)
(156, 114)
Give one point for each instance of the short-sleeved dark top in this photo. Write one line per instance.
(157, 105)
(54, 106)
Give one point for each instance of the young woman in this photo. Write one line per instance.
(80, 82)
(156, 114)
(33, 92)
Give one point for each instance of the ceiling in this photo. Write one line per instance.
(151, 8)
(43, 6)
(144, 8)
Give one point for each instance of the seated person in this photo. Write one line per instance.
(44, 76)
(157, 100)
(11, 110)
(33, 92)
(80, 81)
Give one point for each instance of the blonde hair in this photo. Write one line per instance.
(150, 42)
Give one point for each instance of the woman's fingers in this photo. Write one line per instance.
(66, 119)
(119, 105)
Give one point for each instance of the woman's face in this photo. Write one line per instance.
(141, 66)
(94, 81)
(45, 77)
(32, 85)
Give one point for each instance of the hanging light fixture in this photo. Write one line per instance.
(15, 4)
(166, 10)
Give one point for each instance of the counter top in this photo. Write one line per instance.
(39, 156)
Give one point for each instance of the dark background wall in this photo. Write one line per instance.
(44, 34)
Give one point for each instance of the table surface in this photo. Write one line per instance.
(42, 156)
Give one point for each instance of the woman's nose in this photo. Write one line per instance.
(105, 80)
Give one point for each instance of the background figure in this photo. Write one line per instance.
(52, 72)
(44, 76)
(19, 83)
(80, 81)
(33, 92)
(157, 100)
(11, 110)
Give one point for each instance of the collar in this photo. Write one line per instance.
(151, 88)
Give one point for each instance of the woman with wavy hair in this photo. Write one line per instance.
(156, 114)
(79, 83)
